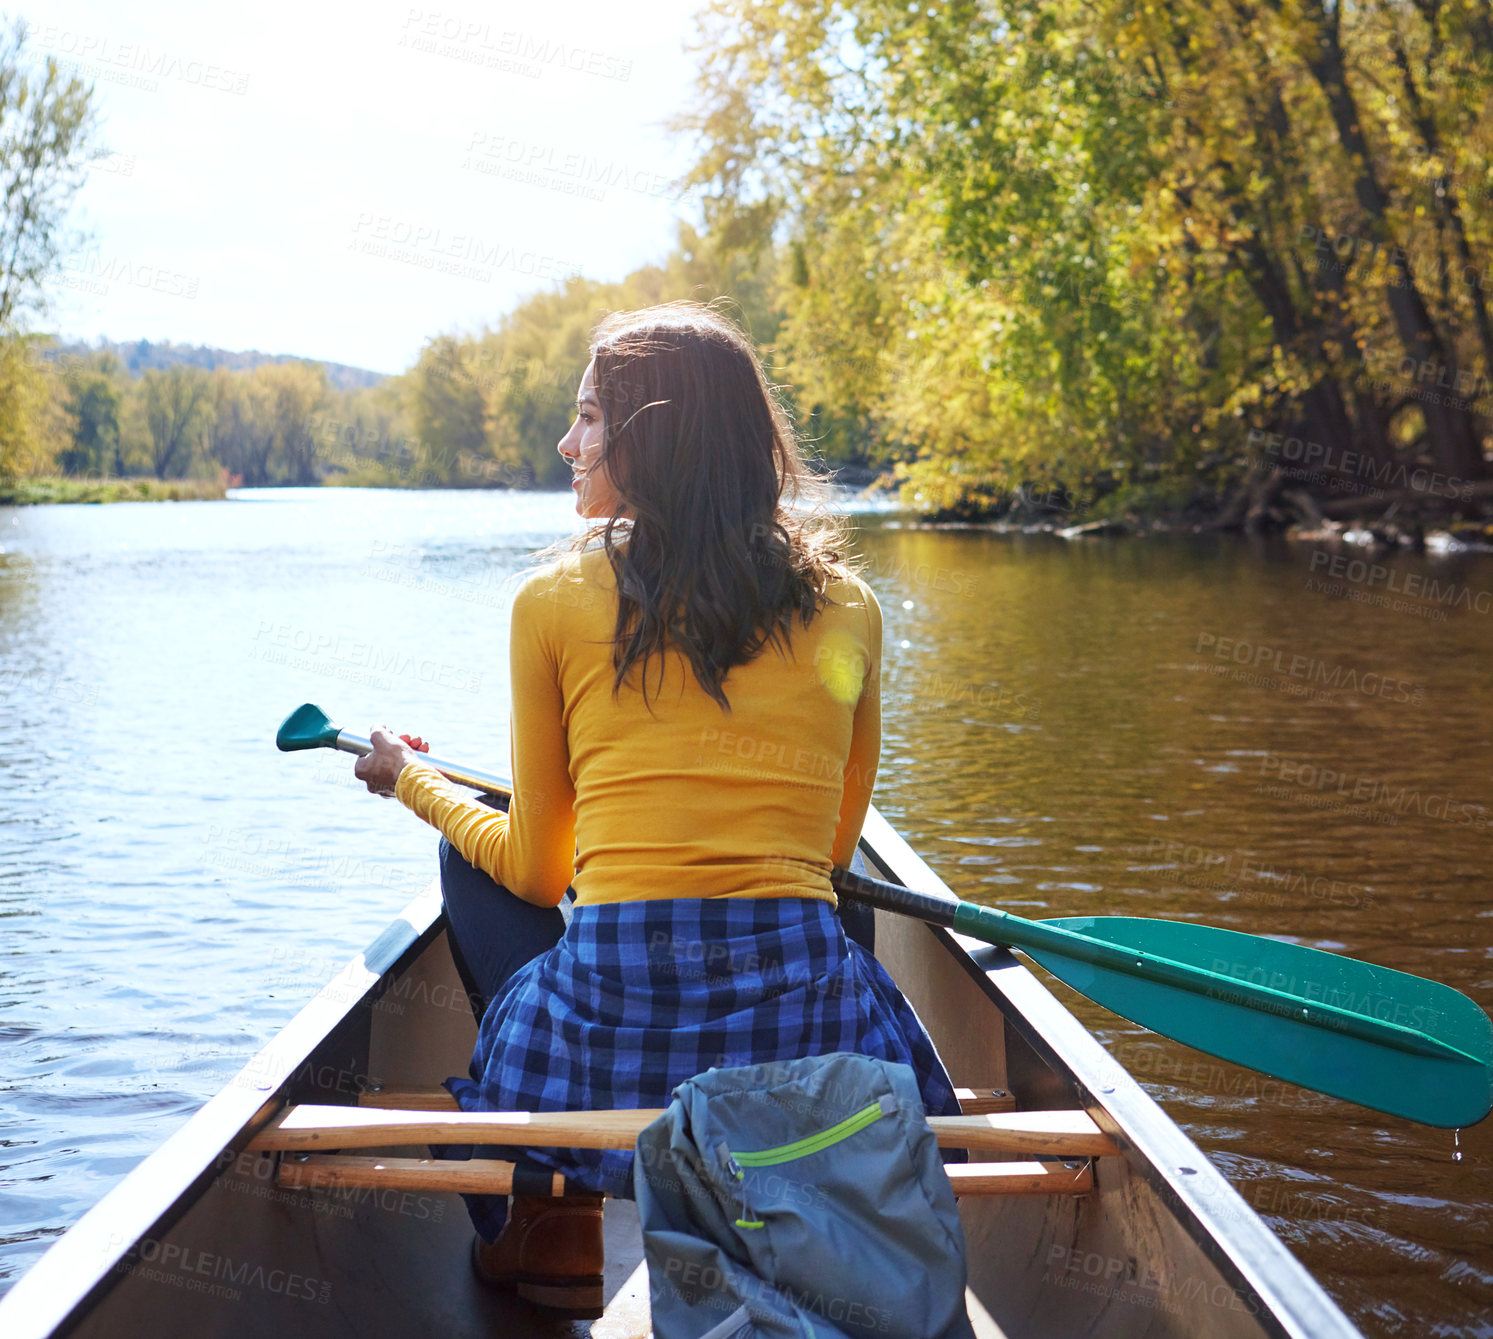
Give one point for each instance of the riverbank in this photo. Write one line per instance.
(1416, 537)
(1276, 502)
(1415, 519)
(61, 488)
(1457, 537)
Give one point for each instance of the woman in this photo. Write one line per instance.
(690, 758)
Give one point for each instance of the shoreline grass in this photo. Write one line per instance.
(62, 489)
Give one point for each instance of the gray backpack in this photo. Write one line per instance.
(804, 1197)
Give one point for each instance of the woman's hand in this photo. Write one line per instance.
(391, 755)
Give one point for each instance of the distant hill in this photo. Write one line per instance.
(143, 356)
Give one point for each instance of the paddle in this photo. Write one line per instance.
(309, 727)
(1385, 1039)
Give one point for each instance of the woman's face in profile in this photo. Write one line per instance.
(595, 495)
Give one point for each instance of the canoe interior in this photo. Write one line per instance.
(199, 1239)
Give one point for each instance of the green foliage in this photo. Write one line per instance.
(1093, 253)
(293, 397)
(529, 367)
(491, 408)
(46, 129)
(243, 431)
(93, 400)
(363, 439)
(46, 126)
(24, 400)
(68, 488)
(177, 403)
(278, 424)
(444, 401)
(1057, 243)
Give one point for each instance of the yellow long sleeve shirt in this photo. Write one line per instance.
(688, 801)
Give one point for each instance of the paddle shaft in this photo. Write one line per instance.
(1000, 927)
(362, 746)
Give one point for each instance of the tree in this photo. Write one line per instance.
(293, 393)
(491, 408)
(178, 403)
(46, 123)
(529, 367)
(1107, 243)
(363, 438)
(243, 431)
(446, 409)
(46, 126)
(23, 402)
(93, 400)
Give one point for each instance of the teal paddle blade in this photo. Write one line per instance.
(1450, 1089)
(307, 727)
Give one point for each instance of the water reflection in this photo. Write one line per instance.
(1209, 736)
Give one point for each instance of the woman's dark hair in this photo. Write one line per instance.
(721, 532)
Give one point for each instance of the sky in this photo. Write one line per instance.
(342, 181)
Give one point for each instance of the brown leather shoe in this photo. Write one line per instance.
(549, 1251)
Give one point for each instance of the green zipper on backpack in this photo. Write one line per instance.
(814, 1143)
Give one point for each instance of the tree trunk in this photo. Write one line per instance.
(1454, 432)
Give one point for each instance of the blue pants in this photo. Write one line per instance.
(492, 932)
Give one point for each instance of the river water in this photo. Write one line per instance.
(1160, 728)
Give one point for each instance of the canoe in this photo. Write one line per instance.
(1122, 1229)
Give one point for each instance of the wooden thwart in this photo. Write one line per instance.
(396, 1116)
(1052, 1134)
(488, 1176)
(972, 1101)
(485, 1176)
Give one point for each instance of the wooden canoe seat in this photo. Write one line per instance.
(983, 1101)
(1044, 1152)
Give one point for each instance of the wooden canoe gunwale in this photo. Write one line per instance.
(1288, 1300)
(81, 1267)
